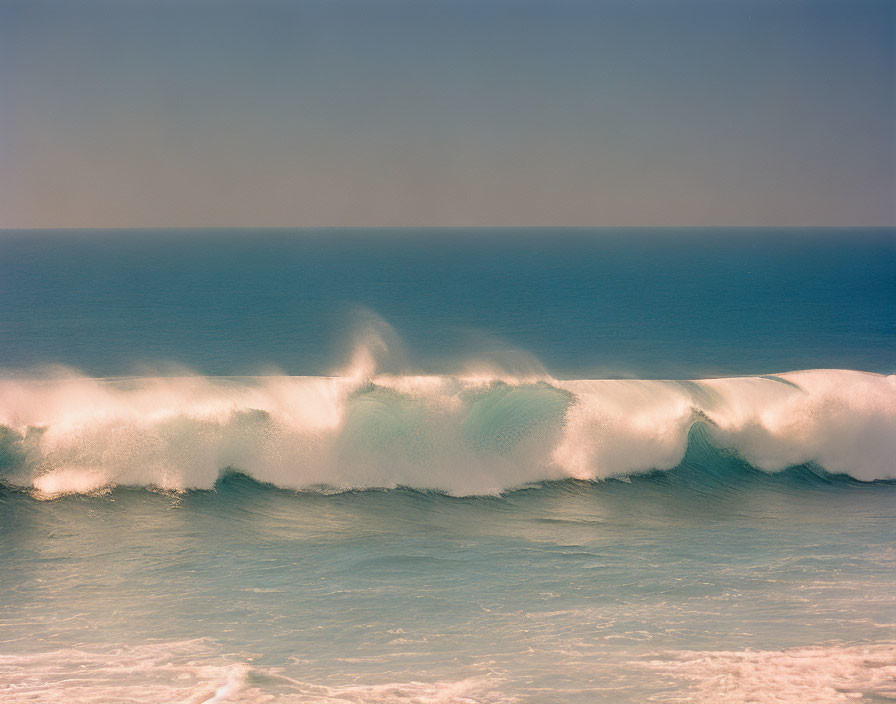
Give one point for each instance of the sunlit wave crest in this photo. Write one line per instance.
(462, 434)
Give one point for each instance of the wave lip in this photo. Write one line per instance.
(460, 435)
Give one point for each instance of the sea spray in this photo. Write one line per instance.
(461, 435)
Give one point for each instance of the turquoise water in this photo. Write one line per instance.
(363, 467)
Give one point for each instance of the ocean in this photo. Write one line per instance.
(448, 466)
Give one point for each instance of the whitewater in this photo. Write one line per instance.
(463, 435)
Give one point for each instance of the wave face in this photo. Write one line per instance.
(460, 435)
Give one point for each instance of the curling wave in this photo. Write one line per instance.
(461, 435)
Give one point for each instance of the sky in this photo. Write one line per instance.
(252, 113)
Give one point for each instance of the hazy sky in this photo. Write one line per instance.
(446, 112)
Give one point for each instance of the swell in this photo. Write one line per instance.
(458, 435)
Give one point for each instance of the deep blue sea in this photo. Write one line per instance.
(448, 466)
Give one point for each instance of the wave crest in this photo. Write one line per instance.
(461, 435)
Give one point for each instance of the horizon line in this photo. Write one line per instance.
(442, 227)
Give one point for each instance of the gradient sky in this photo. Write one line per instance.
(124, 113)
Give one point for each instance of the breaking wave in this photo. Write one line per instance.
(464, 435)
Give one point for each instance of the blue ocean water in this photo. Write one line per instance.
(448, 466)
(664, 303)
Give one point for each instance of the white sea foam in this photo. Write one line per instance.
(821, 675)
(197, 672)
(192, 672)
(464, 435)
(844, 421)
